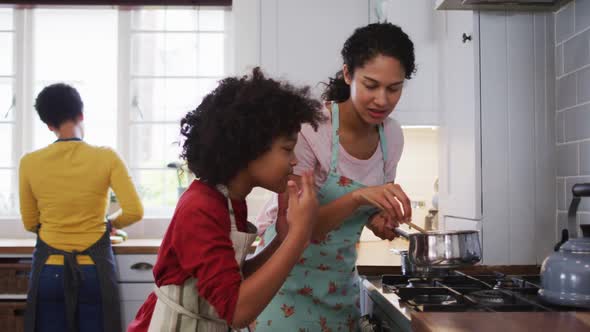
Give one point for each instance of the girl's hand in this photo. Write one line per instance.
(388, 197)
(303, 206)
(382, 226)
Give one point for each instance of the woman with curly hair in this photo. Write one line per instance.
(241, 136)
(354, 157)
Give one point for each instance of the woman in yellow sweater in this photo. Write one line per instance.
(63, 198)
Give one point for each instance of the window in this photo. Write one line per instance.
(85, 57)
(138, 72)
(175, 62)
(8, 157)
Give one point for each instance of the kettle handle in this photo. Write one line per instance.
(564, 237)
(581, 190)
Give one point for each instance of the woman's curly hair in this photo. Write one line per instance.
(364, 45)
(237, 122)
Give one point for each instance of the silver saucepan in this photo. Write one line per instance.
(443, 250)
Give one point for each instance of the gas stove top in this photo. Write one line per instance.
(390, 300)
(459, 292)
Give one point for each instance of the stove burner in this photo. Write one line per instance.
(488, 296)
(434, 299)
(418, 283)
(504, 283)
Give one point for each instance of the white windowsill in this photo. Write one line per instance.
(147, 228)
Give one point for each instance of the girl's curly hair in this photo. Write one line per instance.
(237, 122)
(364, 45)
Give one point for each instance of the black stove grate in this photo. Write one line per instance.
(458, 292)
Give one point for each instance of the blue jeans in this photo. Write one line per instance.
(51, 311)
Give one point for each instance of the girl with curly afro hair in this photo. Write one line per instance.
(242, 135)
(354, 157)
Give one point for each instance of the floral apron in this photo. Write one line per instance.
(322, 291)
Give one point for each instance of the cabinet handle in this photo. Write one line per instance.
(142, 266)
(466, 37)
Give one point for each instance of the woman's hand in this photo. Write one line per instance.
(389, 197)
(382, 225)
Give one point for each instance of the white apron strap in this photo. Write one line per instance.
(182, 310)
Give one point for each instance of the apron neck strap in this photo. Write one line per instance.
(232, 216)
(336, 139)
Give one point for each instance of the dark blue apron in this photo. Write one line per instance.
(102, 254)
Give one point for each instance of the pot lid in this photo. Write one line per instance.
(577, 245)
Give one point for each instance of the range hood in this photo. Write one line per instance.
(518, 5)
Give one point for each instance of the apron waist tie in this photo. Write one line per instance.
(72, 280)
(183, 311)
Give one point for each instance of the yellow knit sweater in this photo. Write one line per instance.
(64, 189)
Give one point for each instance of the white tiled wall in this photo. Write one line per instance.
(572, 61)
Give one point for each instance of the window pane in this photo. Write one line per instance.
(6, 95)
(6, 19)
(154, 146)
(100, 116)
(85, 57)
(89, 50)
(6, 53)
(211, 50)
(6, 146)
(211, 20)
(42, 136)
(8, 196)
(165, 19)
(165, 54)
(167, 99)
(158, 190)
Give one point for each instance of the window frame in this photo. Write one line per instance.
(23, 84)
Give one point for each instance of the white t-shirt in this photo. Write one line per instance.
(314, 151)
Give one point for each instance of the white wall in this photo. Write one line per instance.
(245, 35)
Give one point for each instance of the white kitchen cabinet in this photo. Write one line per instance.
(133, 295)
(300, 40)
(497, 162)
(136, 282)
(460, 136)
(419, 104)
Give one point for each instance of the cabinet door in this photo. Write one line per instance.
(301, 39)
(460, 133)
(419, 19)
(133, 295)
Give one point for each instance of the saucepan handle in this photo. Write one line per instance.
(402, 233)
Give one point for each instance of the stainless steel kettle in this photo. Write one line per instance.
(565, 274)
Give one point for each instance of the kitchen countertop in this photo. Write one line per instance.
(500, 321)
(129, 247)
(374, 256)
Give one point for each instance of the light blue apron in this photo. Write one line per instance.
(322, 291)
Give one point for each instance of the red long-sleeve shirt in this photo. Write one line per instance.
(197, 244)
